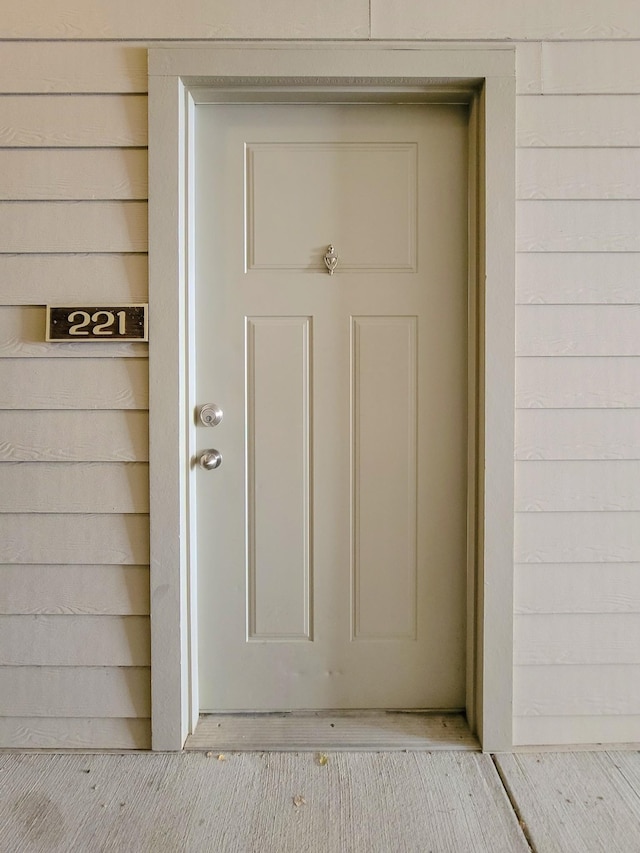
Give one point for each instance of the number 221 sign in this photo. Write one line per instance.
(97, 323)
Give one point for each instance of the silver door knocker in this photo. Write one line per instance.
(331, 260)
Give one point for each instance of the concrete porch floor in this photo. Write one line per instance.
(347, 802)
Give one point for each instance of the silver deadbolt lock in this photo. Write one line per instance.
(210, 459)
(210, 415)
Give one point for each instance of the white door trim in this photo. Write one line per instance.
(179, 77)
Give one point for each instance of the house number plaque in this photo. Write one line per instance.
(97, 323)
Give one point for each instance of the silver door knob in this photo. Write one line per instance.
(210, 459)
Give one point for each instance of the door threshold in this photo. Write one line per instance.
(337, 731)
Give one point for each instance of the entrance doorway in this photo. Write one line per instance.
(181, 79)
(331, 277)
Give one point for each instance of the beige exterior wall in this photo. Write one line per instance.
(74, 634)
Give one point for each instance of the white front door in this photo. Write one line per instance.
(331, 541)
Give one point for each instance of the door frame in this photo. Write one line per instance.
(181, 77)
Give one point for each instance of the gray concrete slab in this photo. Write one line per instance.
(266, 802)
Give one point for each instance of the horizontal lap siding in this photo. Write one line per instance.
(78, 278)
(553, 278)
(67, 487)
(192, 19)
(589, 382)
(73, 383)
(70, 121)
(75, 436)
(545, 588)
(577, 173)
(572, 434)
(576, 121)
(577, 550)
(577, 485)
(82, 68)
(76, 538)
(75, 732)
(578, 330)
(89, 590)
(76, 691)
(74, 493)
(72, 226)
(44, 640)
(581, 638)
(73, 174)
